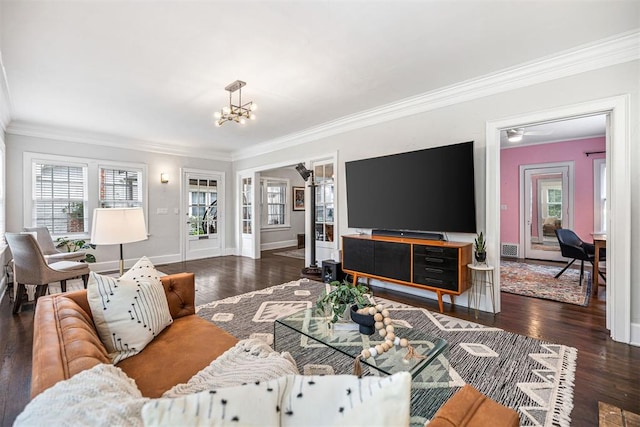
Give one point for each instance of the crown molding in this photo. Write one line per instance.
(5, 98)
(69, 135)
(607, 52)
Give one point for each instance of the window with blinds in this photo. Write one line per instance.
(274, 202)
(120, 188)
(60, 197)
(65, 190)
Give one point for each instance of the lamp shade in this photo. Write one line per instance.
(112, 226)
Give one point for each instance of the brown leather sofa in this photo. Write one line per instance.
(66, 342)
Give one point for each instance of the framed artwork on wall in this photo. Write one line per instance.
(298, 198)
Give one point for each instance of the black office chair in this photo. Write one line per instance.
(573, 247)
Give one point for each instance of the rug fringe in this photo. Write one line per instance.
(563, 402)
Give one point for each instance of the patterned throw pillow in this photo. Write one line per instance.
(292, 400)
(128, 312)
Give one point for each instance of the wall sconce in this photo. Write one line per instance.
(164, 178)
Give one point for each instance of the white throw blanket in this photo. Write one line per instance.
(105, 396)
(250, 360)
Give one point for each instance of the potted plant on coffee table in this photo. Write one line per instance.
(342, 296)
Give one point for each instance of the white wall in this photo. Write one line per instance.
(467, 121)
(279, 238)
(163, 244)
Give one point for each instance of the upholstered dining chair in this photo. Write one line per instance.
(571, 246)
(31, 268)
(51, 253)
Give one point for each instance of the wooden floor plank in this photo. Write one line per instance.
(607, 371)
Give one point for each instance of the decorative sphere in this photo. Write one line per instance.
(382, 332)
(389, 342)
(391, 336)
(378, 326)
(379, 307)
(385, 313)
(378, 317)
(385, 346)
(366, 354)
(372, 310)
(380, 349)
(373, 352)
(404, 342)
(387, 321)
(396, 341)
(390, 328)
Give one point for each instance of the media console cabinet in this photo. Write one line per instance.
(433, 265)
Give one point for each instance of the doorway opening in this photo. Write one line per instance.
(618, 193)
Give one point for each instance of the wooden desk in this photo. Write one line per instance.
(599, 241)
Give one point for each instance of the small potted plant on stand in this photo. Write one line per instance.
(341, 297)
(479, 245)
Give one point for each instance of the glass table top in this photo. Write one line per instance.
(312, 325)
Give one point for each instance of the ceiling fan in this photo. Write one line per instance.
(516, 134)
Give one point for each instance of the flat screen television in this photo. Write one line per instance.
(430, 190)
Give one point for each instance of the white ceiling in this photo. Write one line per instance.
(564, 130)
(156, 70)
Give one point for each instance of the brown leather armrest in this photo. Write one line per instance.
(470, 408)
(64, 341)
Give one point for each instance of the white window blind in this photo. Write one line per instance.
(60, 197)
(120, 188)
(65, 190)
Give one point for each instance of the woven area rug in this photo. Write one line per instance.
(531, 376)
(295, 253)
(538, 281)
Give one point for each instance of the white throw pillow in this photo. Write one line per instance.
(128, 312)
(100, 396)
(292, 400)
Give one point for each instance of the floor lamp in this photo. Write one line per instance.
(117, 226)
(313, 271)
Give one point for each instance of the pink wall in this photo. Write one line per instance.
(512, 158)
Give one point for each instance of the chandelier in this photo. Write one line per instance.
(239, 112)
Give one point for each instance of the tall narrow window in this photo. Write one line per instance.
(324, 202)
(120, 188)
(60, 197)
(247, 201)
(203, 207)
(600, 195)
(2, 192)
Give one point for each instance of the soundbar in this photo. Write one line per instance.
(427, 235)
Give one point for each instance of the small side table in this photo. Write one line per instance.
(481, 278)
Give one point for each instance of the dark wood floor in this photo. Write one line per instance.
(607, 371)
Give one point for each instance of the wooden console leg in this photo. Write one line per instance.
(440, 305)
(451, 298)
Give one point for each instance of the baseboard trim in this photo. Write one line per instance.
(635, 334)
(278, 245)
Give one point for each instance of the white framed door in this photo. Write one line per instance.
(547, 204)
(203, 204)
(248, 195)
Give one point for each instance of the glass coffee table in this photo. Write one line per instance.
(312, 339)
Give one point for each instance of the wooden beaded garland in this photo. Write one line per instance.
(387, 331)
